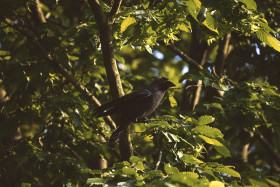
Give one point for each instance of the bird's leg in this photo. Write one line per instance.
(142, 120)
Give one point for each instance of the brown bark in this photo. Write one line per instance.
(191, 92)
(104, 23)
(223, 52)
(268, 147)
(37, 13)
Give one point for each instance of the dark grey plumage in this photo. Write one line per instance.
(135, 106)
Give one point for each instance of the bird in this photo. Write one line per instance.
(135, 106)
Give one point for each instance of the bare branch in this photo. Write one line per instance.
(159, 160)
(182, 55)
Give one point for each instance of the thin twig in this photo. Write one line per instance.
(182, 55)
(159, 160)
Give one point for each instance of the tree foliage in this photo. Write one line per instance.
(60, 59)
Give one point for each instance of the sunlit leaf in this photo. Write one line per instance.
(128, 171)
(216, 184)
(204, 120)
(190, 159)
(250, 4)
(268, 39)
(228, 171)
(208, 131)
(211, 141)
(170, 169)
(183, 27)
(95, 181)
(172, 101)
(126, 23)
(153, 173)
(135, 159)
(139, 166)
(210, 22)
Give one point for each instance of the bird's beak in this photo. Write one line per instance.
(170, 84)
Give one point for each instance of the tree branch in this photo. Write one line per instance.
(104, 24)
(268, 147)
(60, 69)
(37, 13)
(115, 8)
(105, 34)
(181, 54)
(223, 52)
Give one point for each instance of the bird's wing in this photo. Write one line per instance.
(113, 106)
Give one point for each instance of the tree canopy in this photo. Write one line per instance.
(60, 60)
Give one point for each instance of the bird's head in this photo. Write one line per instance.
(162, 83)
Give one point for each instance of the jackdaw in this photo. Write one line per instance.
(135, 106)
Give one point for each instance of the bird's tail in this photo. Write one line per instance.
(117, 134)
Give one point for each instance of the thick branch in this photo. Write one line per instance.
(182, 55)
(60, 69)
(115, 8)
(105, 33)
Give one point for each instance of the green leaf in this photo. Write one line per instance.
(170, 169)
(265, 37)
(188, 180)
(153, 174)
(128, 171)
(190, 159)
(216, 184)
(126, 23)
(228, 171)
(211, 141)
(210, 22)
(146, 4)
(198, 3)
(255, 182)
(135, 159)
(273, 183)
(119, 58)
(192, 174)
(204, 120)
(95, 181)
(222, 150)
(250, 4)
(222, 86)
(193, 8)
(172, 101)
(183, 27)
(208, 131)
(139, 166)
